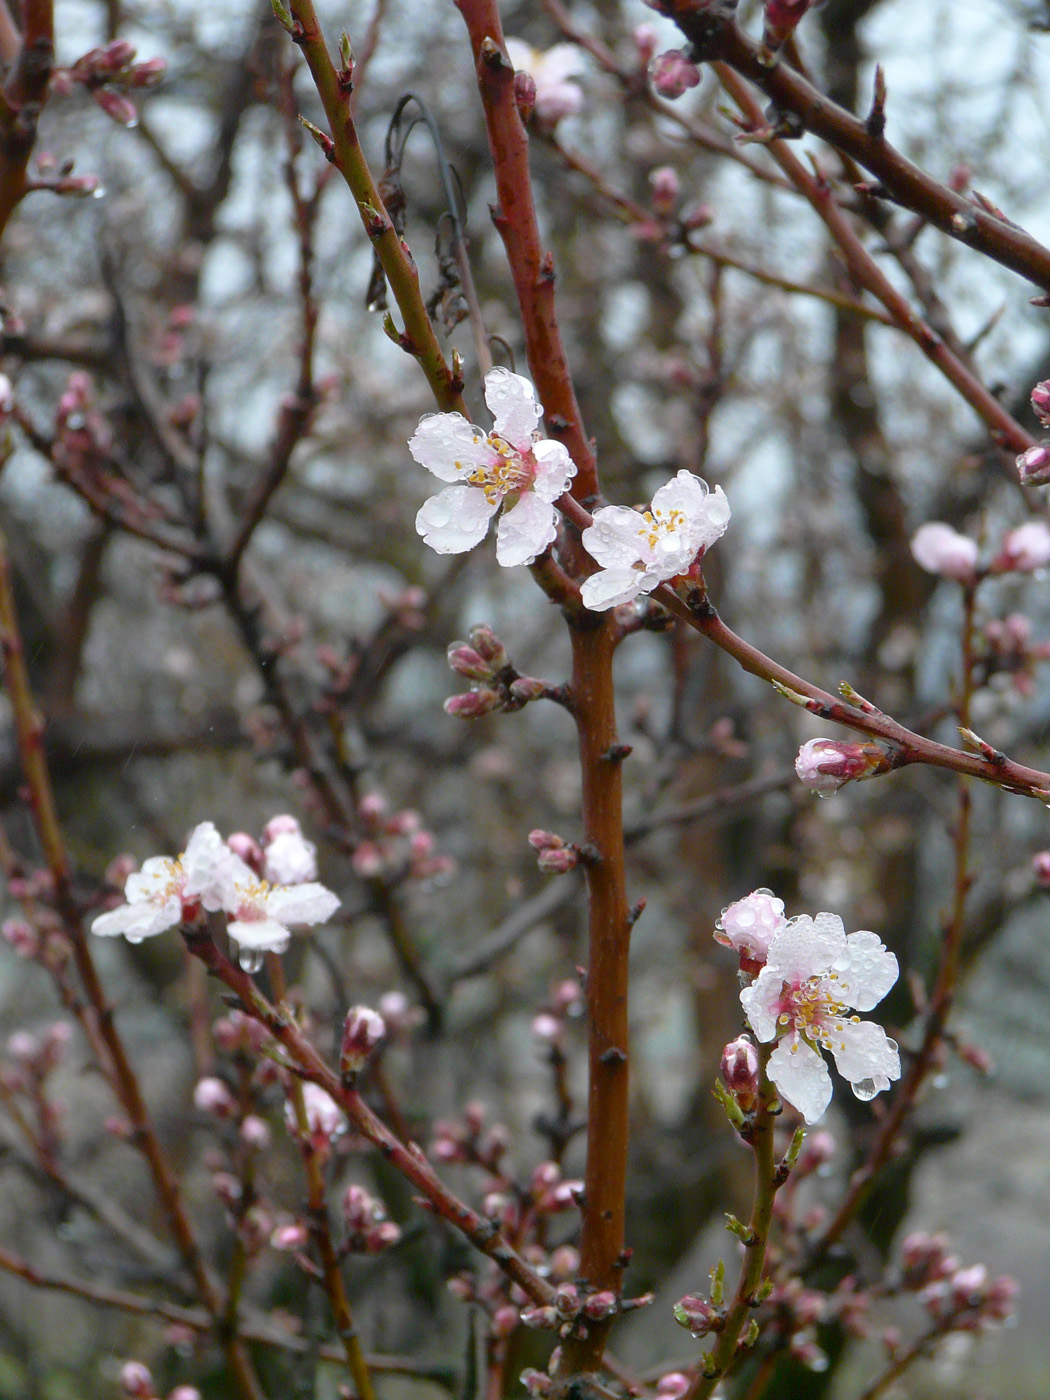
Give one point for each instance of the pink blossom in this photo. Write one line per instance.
(1033, 466)
(1025, 548)
(824, 765)
(672, 74)
(553, 71)
(749, 926)
(941, 550)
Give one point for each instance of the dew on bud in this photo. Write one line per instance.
(250, 959)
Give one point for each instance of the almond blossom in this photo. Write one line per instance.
(170, 890)
(511, 466)
(814, 974)
(640, 549)
(261, 914)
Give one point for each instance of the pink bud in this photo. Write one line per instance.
(245, 846)
(473, 704)
(537, 1383)
(148, 74)
(1041, 402)
(1024, 549)
(524, 95)
(673, 1385)
(21, 937)
(363, 1029)
(645, 40)
(749, 926)
(255, 1133)
(467, 662)
(665, 189)
(136, 1381)
(115, 56)
(212, 1096)
(381, 1237)
(824, 765)
(601, 1304)
(487, 644)
(1033, 466)
(672, 74)
(1001, 1298)
(817, 1151)
(184, 1392)
(116, 105)
(528, 688)
(504, 1320)
(941, 550)
(739, 1070)
(1041, 868)
(290, 1237)
(547, 1027)
(697, 216)
(698, 1315)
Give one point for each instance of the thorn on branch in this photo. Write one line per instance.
(876, 119)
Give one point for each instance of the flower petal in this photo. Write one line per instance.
(455, 520)
(525, 530)
(204, 862)
(450, 447)
(512, 403)
(264, 935)
(807, 946)
(761, 1003)
(554, 469)
(301, 904)
(141, 920)
(801, 1077)
(866, 971)
(615, 537)
(608, 588)
(865, 1051)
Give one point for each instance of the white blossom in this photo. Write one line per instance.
(638, 550)
(511, 466)
(168, 890)
(814, 975)
(552, 70)
(324, 1118)
(261, 914)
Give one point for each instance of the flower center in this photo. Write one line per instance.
(812, 1011)
(658, 524)
(511, 471)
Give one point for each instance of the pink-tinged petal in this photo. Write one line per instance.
(801, 1077)
(139, 921)
(261, 935)
(456, 519)
(291, 859)
(807, 946)
(237, 884)
(866, 971)
(301, 904)
(614, 539)
(158, 878)
(761, 1003)
(554, 469)
(610, 587)
(450, 447)
(512, 403)
(525, 531)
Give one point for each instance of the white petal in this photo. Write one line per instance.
(801, 1077)
(807, 946)
(522, 55)
(867, 970)
(714, 518)
(761, 1003)
(237, 885)
(204, 862)
(138, 921)
(608, 588)
(865, 1051)
(554, 469)
(684, 492)
(450, 447)
(154, 883)
(301, 904)
(615, 537)
(264, 935)
(525, 531)
(557, 63)
(456, 519)
(512, 403)
(291, 860)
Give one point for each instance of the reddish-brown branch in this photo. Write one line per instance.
(22, 99)
(1004, 428)
(717, 38)
(515, 218)
(408, 1159)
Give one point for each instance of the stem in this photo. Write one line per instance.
(602, 1239)
(724, 1352)
(22, 98)
(318, 1210)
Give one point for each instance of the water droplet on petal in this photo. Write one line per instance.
(251, 959)
(865, 1089)
(823, 793)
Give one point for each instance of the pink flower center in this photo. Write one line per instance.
(659, 523)
(812, 1011)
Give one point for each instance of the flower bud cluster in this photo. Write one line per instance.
(368, 1231)
(395, 846)
(107, 73)
(554, 856)
(956, 1298)
(468, 1141)
(566, 1003)
(496, 684)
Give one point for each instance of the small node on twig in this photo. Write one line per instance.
(326, 143)
(616, 753)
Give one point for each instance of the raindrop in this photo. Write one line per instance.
(251, 959)
(99, 192)
(865, 1089)
(825, 793)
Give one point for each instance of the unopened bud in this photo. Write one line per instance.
(939, 549)
(290, 1237)
(473, 704)
(824, 765)
(645, 39)
(524, 95)
(212, 1096)
(672, 74)
(116, 105)
(1041, 868)
(600, 1305)
(558, 862)
(528, 688)
(674, 1385)
(21, 937)
(363, 1029)
(485, 641)
(147, 74)
(665, 189)
(698, 1315)
(1041, 402)
(136, 1381)
(466, 662)
(1033, 466)
(739, 1071)
(781, 19)
(1024, 549)
(249, 850)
